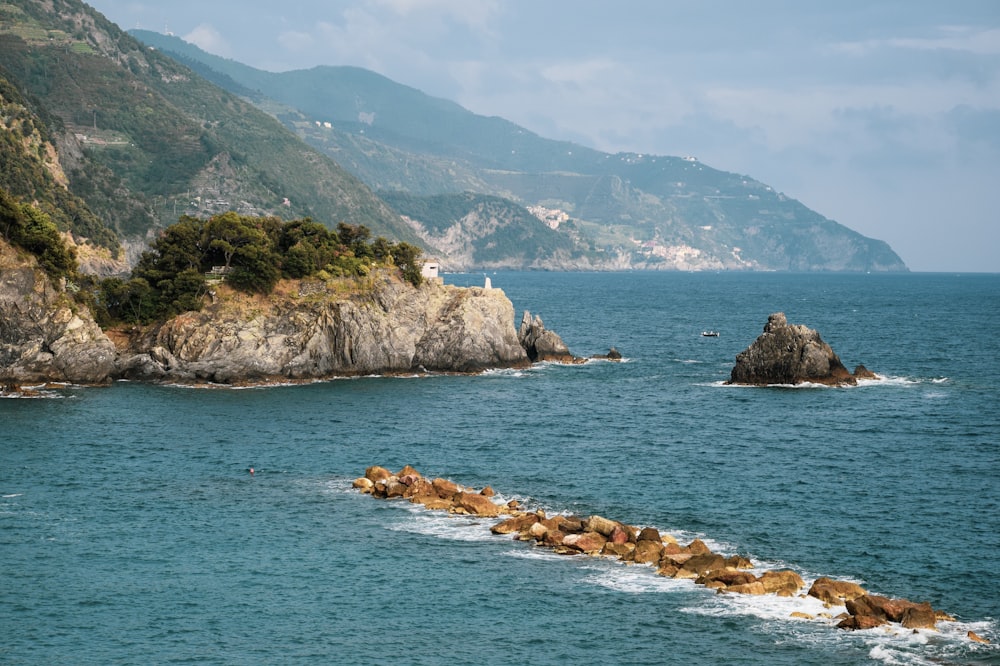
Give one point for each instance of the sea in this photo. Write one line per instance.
(132, 532)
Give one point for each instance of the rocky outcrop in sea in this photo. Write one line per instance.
(599, 536)
(792, 354)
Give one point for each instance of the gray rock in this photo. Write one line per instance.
(392, 329)
(389, 328)
(542, 344)
(44, 335)
(789, 354)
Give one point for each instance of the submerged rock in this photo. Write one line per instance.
(791, 354)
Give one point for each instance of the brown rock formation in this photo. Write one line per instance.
(873, 610)
(835, 591)
(784, 583)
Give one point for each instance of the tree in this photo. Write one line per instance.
(133, 301)
(228, 232)
(407, 258)
(256, 269)
(183, 293)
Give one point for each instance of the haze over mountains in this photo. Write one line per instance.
(478, 192)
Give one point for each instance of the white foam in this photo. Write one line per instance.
(634, 579)
(504, 372)
(445, 526)
(533, 553)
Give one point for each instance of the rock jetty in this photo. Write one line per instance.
(599, 536)
(792, 354)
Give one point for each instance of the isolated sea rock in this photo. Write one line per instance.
(791, 354)
(44, 335)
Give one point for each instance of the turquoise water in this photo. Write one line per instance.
(132, 533)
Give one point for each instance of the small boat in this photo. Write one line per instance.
(709, 334)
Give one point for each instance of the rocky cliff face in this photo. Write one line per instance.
(314, 333)
(309, 330)
(44, 336)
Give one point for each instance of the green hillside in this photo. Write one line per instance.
(144, 140)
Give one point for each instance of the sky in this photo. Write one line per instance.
(883, 115)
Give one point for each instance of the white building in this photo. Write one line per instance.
(430, 268)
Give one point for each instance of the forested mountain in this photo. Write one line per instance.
(116, 139)
(638, 211)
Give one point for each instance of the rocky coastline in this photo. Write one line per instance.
(849, 605)
(308, 330)
(792, 354)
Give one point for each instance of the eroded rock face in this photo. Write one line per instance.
(392, 329)
(791, 354)
(541, 344)
(44, 335)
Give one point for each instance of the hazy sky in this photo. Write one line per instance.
(881, 115)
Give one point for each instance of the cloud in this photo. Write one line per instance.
(479, 13)
(968, 39)
(296, 41)
(209, 39)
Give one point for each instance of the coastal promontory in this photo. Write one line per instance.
(304, 330)
(313, 329)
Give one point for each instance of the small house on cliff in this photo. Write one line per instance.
(430, 269)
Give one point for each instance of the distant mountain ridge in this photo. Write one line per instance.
(624, 210)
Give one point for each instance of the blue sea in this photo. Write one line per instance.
(131, 531)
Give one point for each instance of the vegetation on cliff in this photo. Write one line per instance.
(251, 254)
(30, 169)
(30, 229)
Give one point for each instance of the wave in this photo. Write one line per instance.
(446, 526)
(882, 381)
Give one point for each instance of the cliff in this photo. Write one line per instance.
(44, 335)
(307, 330)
